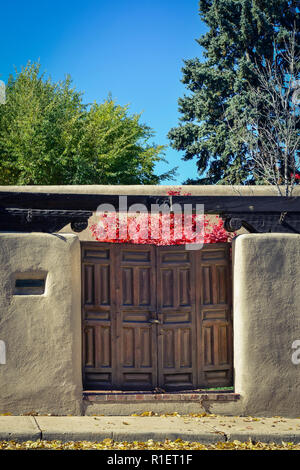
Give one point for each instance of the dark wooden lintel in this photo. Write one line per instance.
(49, 212)
(42, 220)
(90, 202)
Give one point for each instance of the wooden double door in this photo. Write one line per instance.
(156, 317)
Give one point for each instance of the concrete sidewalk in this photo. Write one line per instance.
(207, 429)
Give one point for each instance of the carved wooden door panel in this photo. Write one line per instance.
(99, 316)
(136, 335)
(177, 340)
(214, 315)
(156, 316)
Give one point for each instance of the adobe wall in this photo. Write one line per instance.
(40, 362)
(40, 326)
(266, 270)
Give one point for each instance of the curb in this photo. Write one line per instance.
(204, 438)
(93, 429)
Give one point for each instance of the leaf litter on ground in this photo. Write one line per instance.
(178, 444)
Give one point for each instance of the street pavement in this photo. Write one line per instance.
(207, 429)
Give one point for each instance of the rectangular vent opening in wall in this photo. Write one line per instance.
(30, 285)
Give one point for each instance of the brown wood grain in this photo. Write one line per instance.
(156, 316)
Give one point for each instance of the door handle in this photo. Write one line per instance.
(154, 321)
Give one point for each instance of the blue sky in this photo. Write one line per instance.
(132, 49)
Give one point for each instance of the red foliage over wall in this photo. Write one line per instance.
(108, 230)
(159, 229)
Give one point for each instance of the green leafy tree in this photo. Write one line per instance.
(238, 46)
(49, 136)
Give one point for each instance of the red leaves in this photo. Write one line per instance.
(159, 229)
(217, 232)
(177, 193)
(173, 193)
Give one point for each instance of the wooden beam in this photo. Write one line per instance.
(90, 202)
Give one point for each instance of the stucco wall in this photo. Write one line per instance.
(161, 190)
(266, 271)
(42, 333)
